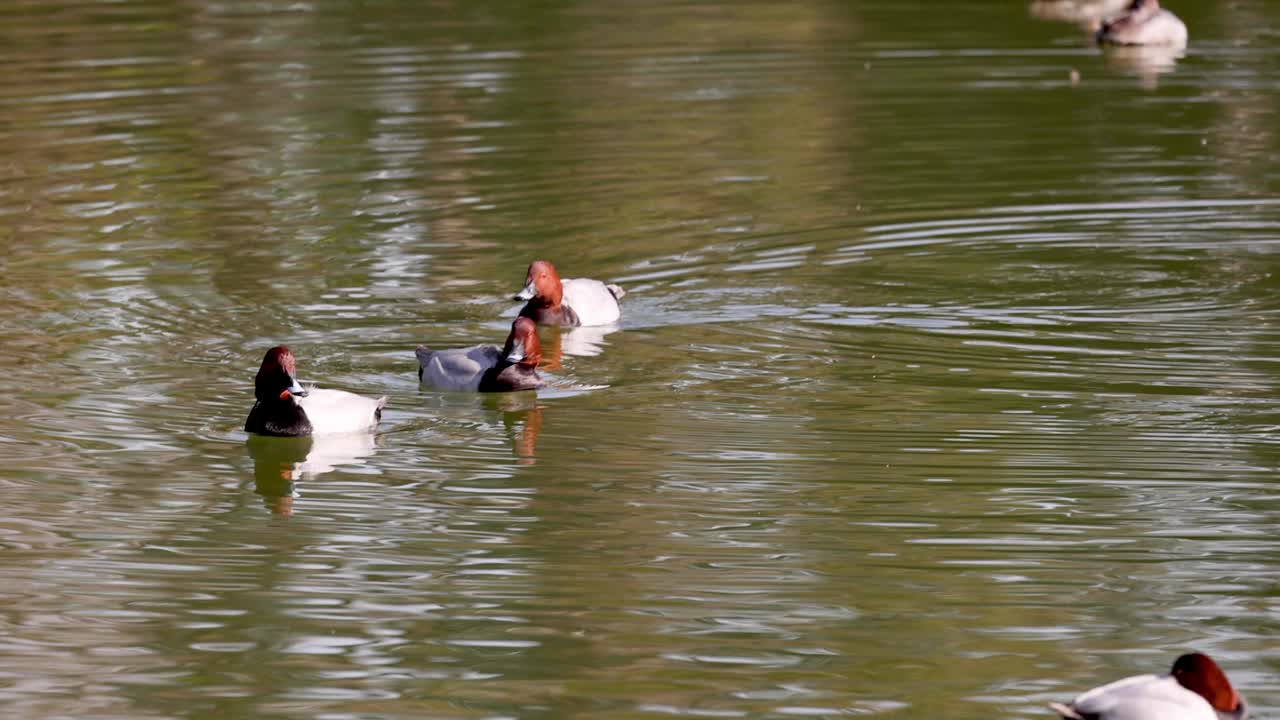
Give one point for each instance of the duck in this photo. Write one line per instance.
(1078, 11)
(1146, 23)
(486, 368)
(284, 408)
(1194, 689)
(577, 301)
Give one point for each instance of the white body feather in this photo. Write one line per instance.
(338, 411)
(591, 301)
(1141, 697)
(1163, 29)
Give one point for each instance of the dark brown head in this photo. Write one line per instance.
(277, 379)
(1197, 673)
(522, 346)
(542, 284)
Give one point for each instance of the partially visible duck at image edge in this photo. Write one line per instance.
(575, 301)
(1194, 689)
(486, 368)
(1146, 23)
(286, 409)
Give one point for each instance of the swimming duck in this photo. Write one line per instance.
(285, 408)
(486, 368)
(1088, 12)
(580, 301)
(1145, 24)
(1194, 689)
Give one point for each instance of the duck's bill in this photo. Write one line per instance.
(526, 294)
(516, 354)
(296, 389)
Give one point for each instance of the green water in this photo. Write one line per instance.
(945, 384)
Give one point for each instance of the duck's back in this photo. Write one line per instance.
(338, 411)
(594, 302)
(456, 369)
(1143, 697)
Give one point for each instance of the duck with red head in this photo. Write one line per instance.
(576, 301)
(284, 408)
(1195, 689)
(486, 368)
(1146, 23)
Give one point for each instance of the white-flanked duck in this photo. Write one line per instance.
(1195, 689)
(1146, 23)
(486, 368)
(577, 301)
(285, 408)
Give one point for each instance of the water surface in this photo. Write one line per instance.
(944, 387)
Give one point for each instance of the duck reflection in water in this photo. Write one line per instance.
(1145, 62)
(522, 417)
(584, 341)
(279, 463)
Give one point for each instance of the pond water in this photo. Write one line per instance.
(945, 385)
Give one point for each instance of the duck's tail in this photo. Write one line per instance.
(617, 291)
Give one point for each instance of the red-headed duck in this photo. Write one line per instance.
(486, 368)
(285, 408)
(579, 301)
(1195, 689)
(1146, 23)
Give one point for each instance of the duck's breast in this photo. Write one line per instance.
(592, 300)
(337, 411)
(457, 369)
(1144, 697)
(513, 378)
